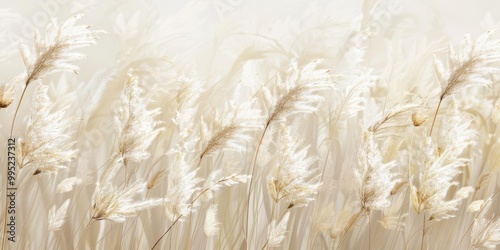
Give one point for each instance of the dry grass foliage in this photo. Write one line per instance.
(297, 135)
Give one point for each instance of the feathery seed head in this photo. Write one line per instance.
(374, 179)
(298, 92)
(397, 116)
(211, 226)
(7, 91)
(277, 231)
(216, 181)
(155, 179)
(436, 178)
(469, 65)
(136, 124)
(57, 217)
(229, 129)
(54, 51)
(486, 233)
(495, 113)
(475, 206)
(110, 203)
(291, 179)
(181, 185)
(67, 184)
(48, 145)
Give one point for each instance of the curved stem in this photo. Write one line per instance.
(423, 235)
(104, 236)
(411, 236)
(85, 233)
(369, 231)
(252, 178)
(190, 205)
(471, 224)
(11, 130)
(166, 232)
(435, 115)
(264, 247)
(357, 216)
(17, 110)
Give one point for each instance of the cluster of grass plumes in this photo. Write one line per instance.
(288, 135)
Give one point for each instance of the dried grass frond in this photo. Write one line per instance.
(495, 113)
(399, 186)
(57, 217)
(53, 52)
(440, 163)
(7, 91)
(189, 90)
(436, 178)
(155, 179)
(350, 100)
(181, 185)
(216, 181)
(292, 180)
(298, 92)
(188, 97)
(135, 123)
(48, 144)
(483, 178)
(111, 169)
(455, 132)
(391, 148)
(211, 226)
(374, 179)
(399, 115)
(67, 184)
(110, 203)
(277, 231)
(486, 233)
(475, 206)
(229, 129)
(468, 65)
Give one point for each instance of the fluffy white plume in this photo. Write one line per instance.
(229, 129)
(54, 51)
(211, 226)
(48, 144)
(486, 233)
(114, 204)
(7, 91)
(456, 134)
(399, 115)
(57, 217)
(182, 184)
(495, 113)
(216, 181)
(350, 98)
(373, 178)
(277, 231)
(440, 163)
(67, 184)
(475, 206)
(469, 65)
(292, 180)
(136, 124)
(297, 93)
